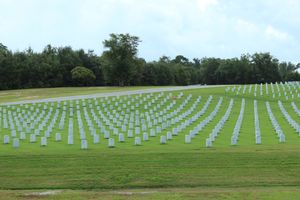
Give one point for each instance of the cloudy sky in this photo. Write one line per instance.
(193, 28)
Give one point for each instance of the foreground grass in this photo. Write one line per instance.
(42, 93)
(180, 171)
(274, 193)
(145, 168)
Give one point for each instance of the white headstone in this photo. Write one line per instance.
(169, 135)
(116, 131)
(281, 138)
(121, 137)
(43, 141)
(22, 136)
(123, 128)
(111, 142)
(57, 137)
(187, 139)
(106, 135)
(13, 133)
(16, 143)
(257, 139)
(70, 139)
(233, 140)
(32, 138)
(158, 129)
(137, 141)
(96, 138)
(152, 132)
(6, 139)
(163, 139)
(175, 131)
(137, 130)
(208, 142)
(145, 137)
(129, 134)
(84, 144)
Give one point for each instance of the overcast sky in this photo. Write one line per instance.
(193, 28)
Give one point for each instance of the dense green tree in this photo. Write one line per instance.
(9, 72)
(121, 55)
(286, 69)
(208, 70)
(265, 68)
(182, 75)
(83, 76)
(120, 65)
(231, 71)
(150, 74)
(165, 74)
(180, 59)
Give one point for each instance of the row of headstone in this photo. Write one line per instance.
(208, 119)
(131, 120)
(238, 90)
(185, 117)
(15, 143)
(288, 118)
(170, 134)
(20, 128)
(296, 109)
(275, 124)
(216, 130)
(250, 89)
(137, 129)
(244, 89)
(290, 90)
(45, 107)
(46, 133)
(256, 124)
(121, 136)
(236, 130)
(52, 105)
(191, 119)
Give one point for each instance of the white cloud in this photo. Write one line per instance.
(203, 5)
(193, 28)
(273, 33)
(244, 26)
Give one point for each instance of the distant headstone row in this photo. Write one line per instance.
(137, 119)
(204, 122)
(296, 109)
(212, 136)
(236, 131)
(287, 90)
(288, 118)
(275, 124)
(256, 124)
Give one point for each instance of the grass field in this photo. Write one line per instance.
(174, 170)
(42, 93)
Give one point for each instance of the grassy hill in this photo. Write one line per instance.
(175, 170)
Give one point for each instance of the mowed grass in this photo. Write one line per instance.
(275, 193)
(42, 93)
(172, 171)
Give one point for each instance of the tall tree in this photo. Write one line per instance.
(265, 68)
(121, 55)
(82, 76)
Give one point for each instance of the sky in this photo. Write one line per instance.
(193, 28)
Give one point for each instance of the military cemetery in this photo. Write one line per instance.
(162, 100)
(200, 120)
(155, 118)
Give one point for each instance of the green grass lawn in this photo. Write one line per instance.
(42, 93)
(171, 171)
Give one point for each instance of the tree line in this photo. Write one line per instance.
(119, 65)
